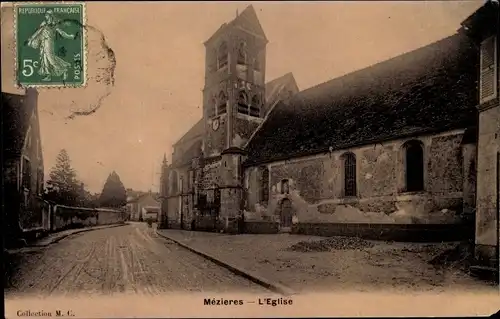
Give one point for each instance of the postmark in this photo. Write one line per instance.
(50, 44)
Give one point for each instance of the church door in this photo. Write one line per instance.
(286, 213)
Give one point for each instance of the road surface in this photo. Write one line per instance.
(128, 259)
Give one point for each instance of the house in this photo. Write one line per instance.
(136, 205)
(483, 27)
(23, 170)
(150, 212)
(387, 151)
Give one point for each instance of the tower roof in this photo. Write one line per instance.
(247, 21)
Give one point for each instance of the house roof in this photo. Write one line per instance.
(15, 122)
(138, 197)
(246, 20)
(427, 90)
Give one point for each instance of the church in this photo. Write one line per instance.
(386, 152)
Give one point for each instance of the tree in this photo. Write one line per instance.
(62, 187)
(113, 193)
(85, 198)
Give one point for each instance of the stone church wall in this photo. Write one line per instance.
(316, 185)
(216, 140)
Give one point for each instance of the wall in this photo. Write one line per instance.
(177, 198)
(470, 177)
(211, 175)
(316, 185)
(108, 217)
(75, 217)
(486, 178)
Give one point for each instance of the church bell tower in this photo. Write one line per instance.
(234, 90)
(233, 99)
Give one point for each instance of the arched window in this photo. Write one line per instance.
(243, 102)
(190, 181)
(222, 55)
(285, 186)
(242, 53)
(349, 163)
(414, 170)
(222, 103)
(264, 186)
(181, 184)
(173, 182)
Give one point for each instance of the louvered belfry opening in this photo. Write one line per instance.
(221, 108)
(222, 56)
(243, 102)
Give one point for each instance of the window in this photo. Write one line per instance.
(244, 107)
(242, 53)
(191, 181)
(222, 103)
(181, 184)
(349, 162)
(173, 182)
(243, 103)
(256, 64)
(26, 177)
(222, 56)
(414, 158)
(488, 69)
(285, 187)
(255, 106)
(264, 186)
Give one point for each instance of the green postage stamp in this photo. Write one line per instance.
(50, 44)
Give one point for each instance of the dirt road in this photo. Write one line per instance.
(129, 259)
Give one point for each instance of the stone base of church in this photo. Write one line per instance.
(228, 225)
(261, 227)
(173, 224)
(393, 232)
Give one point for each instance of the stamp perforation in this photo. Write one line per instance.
(84, 46)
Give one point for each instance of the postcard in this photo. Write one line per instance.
(250, 159)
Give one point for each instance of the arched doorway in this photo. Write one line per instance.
(286, 214)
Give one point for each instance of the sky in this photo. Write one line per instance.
(159, 73)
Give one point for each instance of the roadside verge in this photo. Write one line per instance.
(250, 275)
